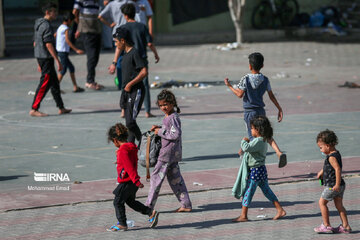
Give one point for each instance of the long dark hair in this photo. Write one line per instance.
(263, 126)
(169, 97)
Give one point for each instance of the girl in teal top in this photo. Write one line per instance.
(254, 157)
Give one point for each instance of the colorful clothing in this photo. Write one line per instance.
(251, 188)
(176, 182)
(129, 182)
(127, 162)
(171, 143)
(256, 150)
(167, 164)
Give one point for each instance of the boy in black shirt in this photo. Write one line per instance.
(133, 72)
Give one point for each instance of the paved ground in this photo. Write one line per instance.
(304, 76)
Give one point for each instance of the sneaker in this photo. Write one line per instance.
(341, 229)
(323, 229)
(154, 220)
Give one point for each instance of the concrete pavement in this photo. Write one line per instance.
(304, 77)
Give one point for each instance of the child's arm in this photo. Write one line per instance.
(112, 67)
(129, 167)
(273, 99)
(143, 73)
(52, 52)
(253, 146)
(334, 163)
(67, 39)
(320, 174)
(153, 49)
(238, 92)
(173, 134)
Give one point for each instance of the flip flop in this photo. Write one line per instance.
(282, 160)
(115, 228)
(154, 220)
(78, 89)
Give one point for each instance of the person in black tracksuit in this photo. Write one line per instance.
(133, 72)
(45, 54)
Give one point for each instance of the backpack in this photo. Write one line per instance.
(149, 150)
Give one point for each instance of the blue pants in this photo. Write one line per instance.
(250, 114)
(65, 61)
(251, 188)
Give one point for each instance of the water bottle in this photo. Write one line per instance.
(130, 223)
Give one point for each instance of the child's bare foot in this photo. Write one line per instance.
(182, 209)
(280, 214)
(36, 113)
(78, 89)
(64, 111)
(240, 219)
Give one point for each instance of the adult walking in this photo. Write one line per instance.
(86, 15)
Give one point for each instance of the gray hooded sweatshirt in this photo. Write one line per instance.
(43, 33)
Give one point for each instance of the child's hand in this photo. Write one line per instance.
(336, 188)
(246, 139)
(227, 83)
(141, 185)
(154, 127)
(112, 69)
(127, 88)
(319, 175)
(240, 152)
(156, 131)
(79, 51)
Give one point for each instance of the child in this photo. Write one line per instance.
(254, 157)
(251, 88)
(142, 39)
(128, 179)
(63, 45)
(133, 72)
(45, 55)
(333, 182)
(170, 154)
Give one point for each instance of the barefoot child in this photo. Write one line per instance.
(170, 154)
(254, 157)
(128, 179)
(252, 88)
(333, 182)
(45, 55)
(63, 45)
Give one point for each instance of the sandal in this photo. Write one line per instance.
(115, 228)
(94, 86)
(78, 89)
(154, 220)
(282, 160)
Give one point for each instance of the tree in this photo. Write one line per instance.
(236, 8)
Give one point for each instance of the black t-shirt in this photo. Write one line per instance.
(140, 35)
(329, 172)
(131, 65)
